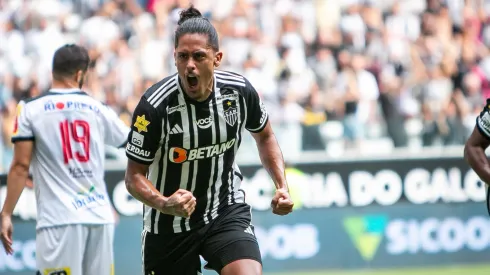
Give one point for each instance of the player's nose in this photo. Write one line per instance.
(191, 65)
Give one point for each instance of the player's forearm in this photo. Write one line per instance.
(142, 189)
(477, 159)
(16, 180)
(272, 160)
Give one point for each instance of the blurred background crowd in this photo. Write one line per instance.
(364, 75)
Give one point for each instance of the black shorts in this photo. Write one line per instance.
(228, 238)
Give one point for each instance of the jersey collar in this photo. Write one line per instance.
(65, 91)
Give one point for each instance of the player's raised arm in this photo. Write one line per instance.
(143, 142)
(269, 151)
(477, 143)
(19, 171)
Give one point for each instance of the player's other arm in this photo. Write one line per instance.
(142, 144)
(269, 150)
(18, 174)
(115, 130)
(23, 139)
(271, 156)
(477, 143)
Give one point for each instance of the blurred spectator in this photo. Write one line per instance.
(376, 67)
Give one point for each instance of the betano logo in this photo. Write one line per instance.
(366, 233)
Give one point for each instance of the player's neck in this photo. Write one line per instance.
(64, 84)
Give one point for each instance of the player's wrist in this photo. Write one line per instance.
(282, 187)
(162, 204)
(6, 214)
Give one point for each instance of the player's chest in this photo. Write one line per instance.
(196, 125)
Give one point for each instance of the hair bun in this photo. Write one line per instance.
(189, 13)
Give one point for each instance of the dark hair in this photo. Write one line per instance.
(69, 59)
(192, 21)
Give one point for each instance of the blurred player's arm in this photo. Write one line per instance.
(477, 143)
(23, 139)
(18, 174)
(115, 130)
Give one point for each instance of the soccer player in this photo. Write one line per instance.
(186, 132)
(62, 134)
(477, 143)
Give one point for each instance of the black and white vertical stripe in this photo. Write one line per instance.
(186, 171)
(162, 166)
(215, 181)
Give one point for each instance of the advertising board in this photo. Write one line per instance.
(329, 185)
(401, 235)
(365, 214)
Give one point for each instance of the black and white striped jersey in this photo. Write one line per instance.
(192, 145)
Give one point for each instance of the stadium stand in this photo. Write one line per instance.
(368, 76)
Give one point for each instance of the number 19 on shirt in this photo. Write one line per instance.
(78, 131)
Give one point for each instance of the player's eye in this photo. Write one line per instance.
(182, 56)
(199, 56)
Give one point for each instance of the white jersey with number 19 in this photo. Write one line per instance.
(69, 130)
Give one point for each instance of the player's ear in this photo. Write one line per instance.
(79, 76)
(175, 58)
(217, 58)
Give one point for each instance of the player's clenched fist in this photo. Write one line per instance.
(182, 203)
(282, 204)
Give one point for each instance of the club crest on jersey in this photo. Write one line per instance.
(141, 124)
(230, 112)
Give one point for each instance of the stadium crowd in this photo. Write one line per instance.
(386, 73)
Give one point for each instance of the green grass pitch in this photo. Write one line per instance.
(444, 270)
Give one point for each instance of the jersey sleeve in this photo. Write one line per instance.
(116, 132)
(146, 133)
(257, 115)
(22, 124)
(483, 121)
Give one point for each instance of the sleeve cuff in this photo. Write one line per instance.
(482, 131)
(261, 127)
(123, 145)
(15, 139)
(138, 159)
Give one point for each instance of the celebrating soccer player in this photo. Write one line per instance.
(187, 129)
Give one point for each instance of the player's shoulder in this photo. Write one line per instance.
(486, 108)
(226, 80)
(159, 92)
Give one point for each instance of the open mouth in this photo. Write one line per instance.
(192, 81)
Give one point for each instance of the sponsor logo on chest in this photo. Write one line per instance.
(180, 155)
(205, 123)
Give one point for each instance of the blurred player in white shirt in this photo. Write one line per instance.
(61, 136)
